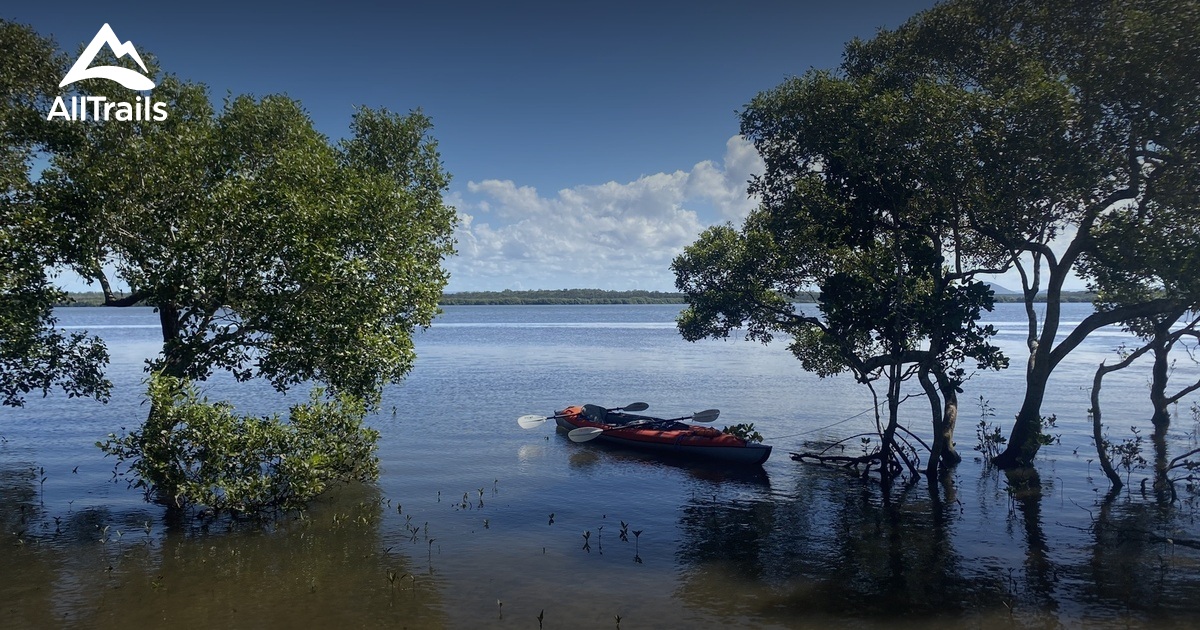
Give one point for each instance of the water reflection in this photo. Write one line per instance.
(531, 452)
(834, 552)
(596, 453)
(1041, 576)
(93, 568)
(1142, 564)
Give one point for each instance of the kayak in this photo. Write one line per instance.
(664, 436)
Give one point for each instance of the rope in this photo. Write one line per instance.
(828, 426)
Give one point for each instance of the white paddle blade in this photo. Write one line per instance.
(708, 415)
(584, 434)
(530, 421)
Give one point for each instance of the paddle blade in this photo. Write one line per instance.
(530, 421)
(638, 406)
(584, 434)
(708, 415)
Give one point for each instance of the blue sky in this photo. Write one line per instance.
(588, 142)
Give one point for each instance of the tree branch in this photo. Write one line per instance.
(1175, 463)
(1098, 320)
(1084, 233)
(110, 299)
(906, 356)
(129, 300)
(1183, 392)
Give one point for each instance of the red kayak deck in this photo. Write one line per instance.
(702, 443)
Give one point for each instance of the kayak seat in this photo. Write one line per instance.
(596, 413)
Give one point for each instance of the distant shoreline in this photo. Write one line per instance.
(581, 297)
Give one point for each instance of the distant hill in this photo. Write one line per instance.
(999, 290)
(1005, 295)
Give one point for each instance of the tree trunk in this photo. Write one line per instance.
(1161, 418)
(949, 389)
(1098, 425)
(1161, 344)
(889, 434)
(1023, 441)
(939, 431)
(175, 362)
(1044, 356)
(950, 456)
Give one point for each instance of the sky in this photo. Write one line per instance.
(588, 143)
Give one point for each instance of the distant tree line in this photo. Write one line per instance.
(553, 297)
(560, 296)
(1066, 296)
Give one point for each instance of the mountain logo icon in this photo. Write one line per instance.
(126, 77)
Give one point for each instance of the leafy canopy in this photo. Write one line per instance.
(192, 452)
(34, 354)
(860, 202)
(267, 250)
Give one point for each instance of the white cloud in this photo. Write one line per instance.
(726, 186)
(611, 235)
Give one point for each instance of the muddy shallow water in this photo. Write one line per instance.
(475, 522)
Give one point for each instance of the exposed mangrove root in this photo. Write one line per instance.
(902, 456)
(862, 465)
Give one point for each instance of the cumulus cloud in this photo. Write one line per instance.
(611, 235)
(725, 187)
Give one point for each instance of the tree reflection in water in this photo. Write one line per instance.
(834, 551)
(97, 568)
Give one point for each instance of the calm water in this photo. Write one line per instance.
(458, 532)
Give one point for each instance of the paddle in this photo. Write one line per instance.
(584, 434)
(533, 420)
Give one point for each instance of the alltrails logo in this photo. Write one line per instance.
(99, 107)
